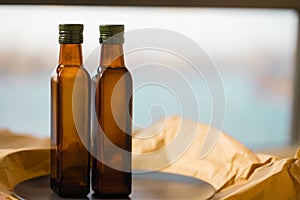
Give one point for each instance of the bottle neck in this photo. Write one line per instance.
(70, 54)
(112, 56)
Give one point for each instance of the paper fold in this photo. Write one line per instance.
(171, 145)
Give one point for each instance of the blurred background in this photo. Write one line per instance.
(254, 50)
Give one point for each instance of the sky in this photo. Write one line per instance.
(30, 32)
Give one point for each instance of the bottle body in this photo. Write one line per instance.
(70, 125)
(112, 127)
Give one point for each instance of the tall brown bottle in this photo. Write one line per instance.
(111, 166)
(70, 117)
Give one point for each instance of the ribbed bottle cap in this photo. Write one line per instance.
(111, 34)
(70, 33)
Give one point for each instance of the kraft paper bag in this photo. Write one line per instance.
(172, 145)
(21, 157)
(235, 171)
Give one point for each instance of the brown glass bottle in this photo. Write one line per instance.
(70, 117)
(111, 166)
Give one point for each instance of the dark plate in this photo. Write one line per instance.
(154, 185)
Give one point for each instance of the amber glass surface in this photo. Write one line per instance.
(70, 124)
(113, 121)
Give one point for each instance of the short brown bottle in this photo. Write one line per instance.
(70, 117)
(112, 123)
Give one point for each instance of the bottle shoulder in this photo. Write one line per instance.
(102, 70)
(104, 74)
(62, 71)
(107, 71)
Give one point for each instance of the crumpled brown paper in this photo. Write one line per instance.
(21, 157)
(234, 171)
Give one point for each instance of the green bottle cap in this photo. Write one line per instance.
(70, 33)
(111, 34)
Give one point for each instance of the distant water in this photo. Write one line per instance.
(254, 119)
(24, 103)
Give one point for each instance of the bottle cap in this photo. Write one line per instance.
(70, 33)
(111, 34)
